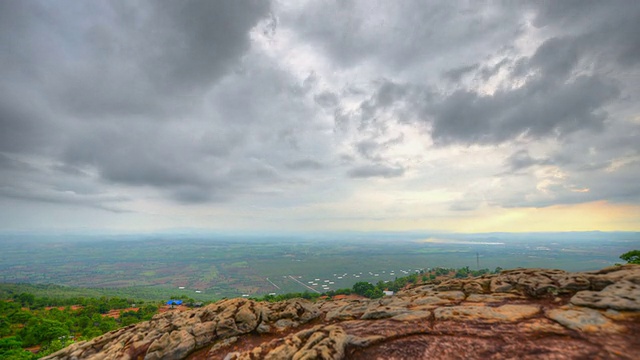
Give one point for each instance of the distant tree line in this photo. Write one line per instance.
(372, 291)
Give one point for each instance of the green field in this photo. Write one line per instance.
(208, 267)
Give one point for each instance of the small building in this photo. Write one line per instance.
(388, 293)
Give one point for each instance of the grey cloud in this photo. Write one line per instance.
(368, 149)
(522, 159)
(306, 164)
(371, 171)
(133, 156)
(456, 74)
(232, 151)
(8, 163)
(175, 100)
(23, 121)
(594, 167)
(102, 202)
(403, 101)
(555, 58)
(398, 34)
(326, 99)
(610, 29)
(57, 184)
(371, 149)
(540, 108)
(487, 72)
(558, 96)
(137, 59)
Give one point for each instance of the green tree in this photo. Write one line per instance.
(5, 326)
(631, 257)
(20, 317)
(26, 299)
(39, 331)
(17, 354)
(374, 293)
(11, 342)
(362, 287)
(55, 345)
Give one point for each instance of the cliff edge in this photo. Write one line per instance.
(520, 313)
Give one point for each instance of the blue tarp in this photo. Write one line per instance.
(174, 302)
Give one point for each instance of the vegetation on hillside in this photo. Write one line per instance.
(631, 257)
(50, 324)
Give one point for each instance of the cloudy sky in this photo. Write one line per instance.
(464, 116)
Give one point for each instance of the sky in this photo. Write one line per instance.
(455, 116)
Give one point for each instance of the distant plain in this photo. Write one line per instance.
(212, 266)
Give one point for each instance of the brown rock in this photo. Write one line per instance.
(174, 346)
(602, 278)
(382, 312)
(499, 285)
(584, 319)
(413, 316)
(623, 295)
(429, 300)
(473, 287)
(492, 298)
(319, 342)
(504, 313)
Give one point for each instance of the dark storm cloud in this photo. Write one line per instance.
(102, 85)
(612, 27)
(135, 58)
(377, 170)
(552, 102)
(559, 96)
(132, 59)
(159, 52)
(536, 110)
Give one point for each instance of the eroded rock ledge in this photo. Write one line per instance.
(521, 313)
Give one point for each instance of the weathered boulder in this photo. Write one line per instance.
(504, 313)
(623, 295)
(174, 335)
(584, 320)
(319, 342)
(173, 346)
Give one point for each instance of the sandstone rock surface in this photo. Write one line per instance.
(519, 313)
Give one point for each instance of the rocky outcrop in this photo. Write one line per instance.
(520, 313)
(175, 335)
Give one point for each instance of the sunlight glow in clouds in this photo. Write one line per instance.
(320, 115)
